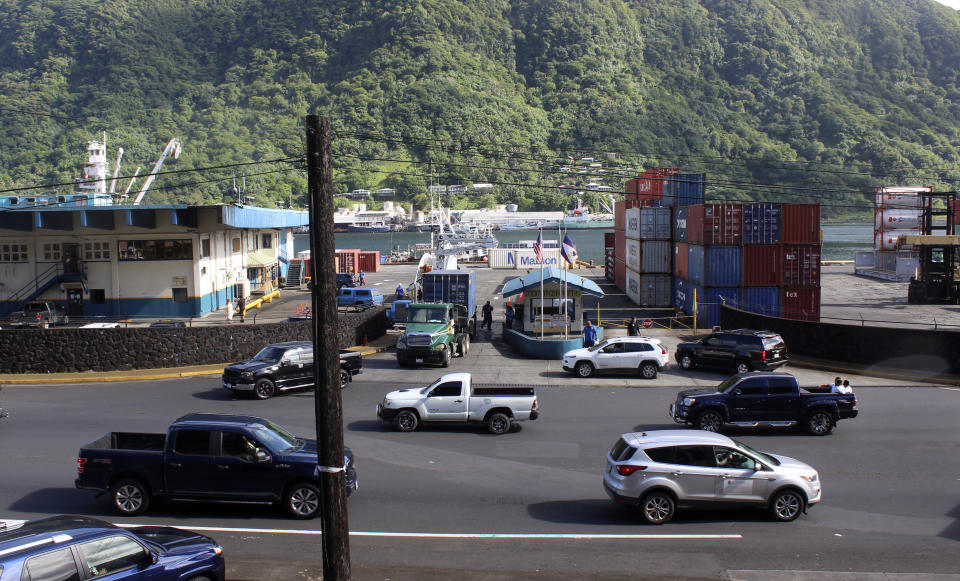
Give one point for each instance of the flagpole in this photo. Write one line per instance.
(542, 311)
(566, 319)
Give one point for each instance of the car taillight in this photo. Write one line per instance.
(628, 469)
(763, 355)
(80, 463)
(662, 350)
(38, 316)
(534, 408)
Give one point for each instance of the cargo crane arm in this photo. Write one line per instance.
(173, 147)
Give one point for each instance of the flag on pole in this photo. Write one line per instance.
(568, 249)
(538, 248)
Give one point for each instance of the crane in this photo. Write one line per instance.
(116, 171)
(172, 147)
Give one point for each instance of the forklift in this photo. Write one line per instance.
(937, 279)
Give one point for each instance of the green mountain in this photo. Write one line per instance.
(787, 100)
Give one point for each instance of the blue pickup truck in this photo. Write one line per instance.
(214, 457)
(760, 398)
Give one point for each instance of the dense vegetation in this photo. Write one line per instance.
(788, 100)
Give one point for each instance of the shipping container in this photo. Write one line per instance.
(800, 223)
(451, 286)
(715, 265)
(801, 265)
(655, 257)
(656, 290)
(899, 219)
(501, 258)
(680, 223)
(684, 189)
(526, 259)
(800, 302)
(682, 294)
(369, 260)
(720, 224)
(631, 223)
(630, 187)
(631, 285)
(655, 223)
(709, 301)
(633, 254)
(763, 300)
(619, 274)
(900, 197)
(761, 223)
(608, 240)
(662, 172)
(347, 260)
(681, 259)
(887, 239)
(620, 245)
(762, 265)
(619, 207)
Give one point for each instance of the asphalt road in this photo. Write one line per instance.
(458, 503)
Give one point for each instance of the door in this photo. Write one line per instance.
(75, 302)
(696, 472)
(748, 402)
(292, 370)
(711, 351)
(740, 481)
(611, 356)
(447, 402)
(244, 468)
(70, 254)
(783, 399)
(188, 464)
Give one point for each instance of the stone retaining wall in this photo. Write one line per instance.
(58, 350)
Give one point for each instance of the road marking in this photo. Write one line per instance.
(531, 536)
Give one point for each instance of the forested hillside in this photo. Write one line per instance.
(789, 100)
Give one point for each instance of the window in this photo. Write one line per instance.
(111, 554)
(621, 451)
(729, 458)
(239, 446)
(179, 295)
(205, 248)
(98, 296)
(751, 387)
(696, 456)
(613, 348)
(780, 386)
(195, 442)
(665, 455)
(638, 347)
(236, 245)
(712, 341)
(155, 249)
(53, 566)
(448, 389)
(731, 341)
(96, 251)
(13, 252)
(50, 251)
(266, 240)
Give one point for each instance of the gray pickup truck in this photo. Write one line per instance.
(40, 314)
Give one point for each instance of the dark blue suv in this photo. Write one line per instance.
(75, 548)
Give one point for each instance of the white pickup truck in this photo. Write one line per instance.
(453, 398)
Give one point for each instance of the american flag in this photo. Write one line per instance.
(538, 248)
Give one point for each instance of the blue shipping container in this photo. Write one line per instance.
(680, 224)
(655, 223)
(715, 265)
(709, 300)
(451, 286)
(761, 223)
(763, 300)
(684, 189)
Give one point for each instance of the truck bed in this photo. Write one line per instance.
(128, 441)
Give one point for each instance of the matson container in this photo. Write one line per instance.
(680, 223)
(762, 265)
(631, 223)
(761, 223)
(619, 274)
(655, 223)
(655, 256)
(886, 219)
(632, 257)
(763, 300)
(800, 223)
(800, 302)
(801, 265)
(632, 286)
(681, 260)
(620, 245)
(720, 224)
(715, 265)
(709, 300)
(501, 258)
(656, 290)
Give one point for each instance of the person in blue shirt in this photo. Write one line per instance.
(363, 279)
(508, 316)
(400, 292)
(589, 334)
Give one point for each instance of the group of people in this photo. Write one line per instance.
(240, 308)
(841, 386)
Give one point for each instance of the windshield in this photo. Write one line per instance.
(725, 385)
(275, 437)
(431, 386)
(417, 315)
(270, 354)
(765, 458)
(598, 346)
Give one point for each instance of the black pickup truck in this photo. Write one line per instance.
(213, 457)
(284, 366)
(761, 398)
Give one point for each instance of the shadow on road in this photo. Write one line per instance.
(605, 512)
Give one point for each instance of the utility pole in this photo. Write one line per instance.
(328, 408)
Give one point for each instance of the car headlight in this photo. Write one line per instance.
(688, 401)
(809, 477)
(386, 403)
(217, 550)
(440, 346)
(247, 374)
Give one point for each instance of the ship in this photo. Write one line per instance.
(580, 217)
(368, 227)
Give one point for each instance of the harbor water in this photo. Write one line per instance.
(840, 241)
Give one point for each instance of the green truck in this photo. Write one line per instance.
(440, 327)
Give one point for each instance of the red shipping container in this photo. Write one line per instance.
(347, 260)
(801, 265)
(649, 188)
(800, 302)
(762, 265)
(620, 245)
(681, 260)
(619, 274)
(800, 223)
(663, 171)
(630, 187)
(619, 208)
(608, 240)
(369, 260)
(720, 224)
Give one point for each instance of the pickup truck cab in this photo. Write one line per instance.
(397, 312)
(213, 457)
(359, 297)
(761, 398)
(41, 314)
(284, 366)
(453, 398)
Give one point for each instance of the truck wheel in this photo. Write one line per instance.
(786, 505)
(407, 421)
(709, 421)
(264, 389)
(130, 497)
(303, 500)
(344, 378)
(819, 423)
(648, 370)
(686, 362)
(658, 507)
(498, 423)
(472, 327)
(743, 367)
(445, 361)
(584, 369)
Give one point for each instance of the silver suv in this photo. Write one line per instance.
(659, 470)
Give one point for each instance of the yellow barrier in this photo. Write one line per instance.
(267, 298)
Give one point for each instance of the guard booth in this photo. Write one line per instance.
(558, 307)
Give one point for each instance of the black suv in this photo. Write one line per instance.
(742, 350)
(345, 279)
(284, 366)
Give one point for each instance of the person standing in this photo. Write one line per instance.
(229, 312)
(632, 328)
(589, 334)
(400, 292)
(241, 307)
(363, 279)
(487, 312)
(508, 315)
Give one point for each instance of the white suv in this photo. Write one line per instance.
(658, 470)
(644, 354)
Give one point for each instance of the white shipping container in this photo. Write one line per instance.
(632, 258)
(655, 223)
(632, 282)
(526, 260)
(887, 240)
(656, 290)
(902, 198)
(655, 256)
(501, 258)
(631, 223)
(888, 219)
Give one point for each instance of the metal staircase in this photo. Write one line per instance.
(46, 279)
(295, 272)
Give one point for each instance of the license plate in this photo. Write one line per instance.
(419, 360)
(776, 355)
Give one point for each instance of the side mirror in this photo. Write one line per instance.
(262, 457)
(736, 391)
(759, 467)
